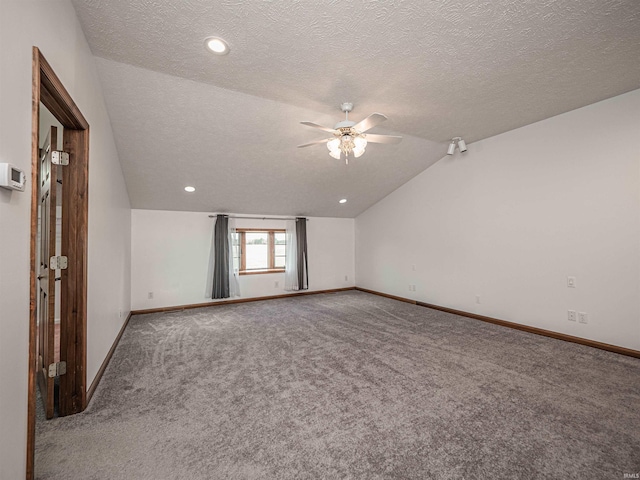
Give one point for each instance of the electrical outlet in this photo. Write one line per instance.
(583, 317)
(571, 282)
(120, 313)
(150, 296)
(477, 298)
(346, 278)
(277, 284)
(571, 315)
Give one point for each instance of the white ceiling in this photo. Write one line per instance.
(230, 124)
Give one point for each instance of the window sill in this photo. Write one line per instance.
(260, 272)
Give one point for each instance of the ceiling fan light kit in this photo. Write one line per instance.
(462, 146)
(349, 137)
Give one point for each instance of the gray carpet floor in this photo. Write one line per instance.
(347, 385)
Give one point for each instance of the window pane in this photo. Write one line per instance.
(235, 250)
(257, 250)
(256, 238)
(279, 249)
(236, 257)
(257, 257)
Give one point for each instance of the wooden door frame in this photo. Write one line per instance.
(48, 89)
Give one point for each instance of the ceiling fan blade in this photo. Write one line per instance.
(369, 122)
(314, 143)
(320, 127)
(373, 138)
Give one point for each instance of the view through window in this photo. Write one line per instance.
(262, 251)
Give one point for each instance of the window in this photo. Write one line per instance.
(261, 250)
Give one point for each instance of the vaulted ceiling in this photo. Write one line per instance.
(229, 125)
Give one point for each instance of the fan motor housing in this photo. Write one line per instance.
(344, 125)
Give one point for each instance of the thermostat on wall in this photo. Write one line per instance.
(12, 177)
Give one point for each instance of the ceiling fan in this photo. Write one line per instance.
(350, 137)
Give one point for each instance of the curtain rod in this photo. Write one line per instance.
(260, 218)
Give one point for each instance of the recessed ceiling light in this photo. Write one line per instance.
(344, 200)
(189, 189)
(217, 45)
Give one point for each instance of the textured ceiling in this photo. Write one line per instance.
(436, 69)
(240, 151)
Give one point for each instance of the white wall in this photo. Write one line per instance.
(52, 26)
(171, 251)
(513, 217)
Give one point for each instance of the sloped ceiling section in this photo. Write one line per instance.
(437, 68)
(239, 151)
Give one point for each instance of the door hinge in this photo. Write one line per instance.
(58, 157)
(57, 369)
(58, 263)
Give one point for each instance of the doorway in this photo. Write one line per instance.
(58, 279)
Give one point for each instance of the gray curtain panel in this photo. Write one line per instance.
(221, 258)
(301, 261)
